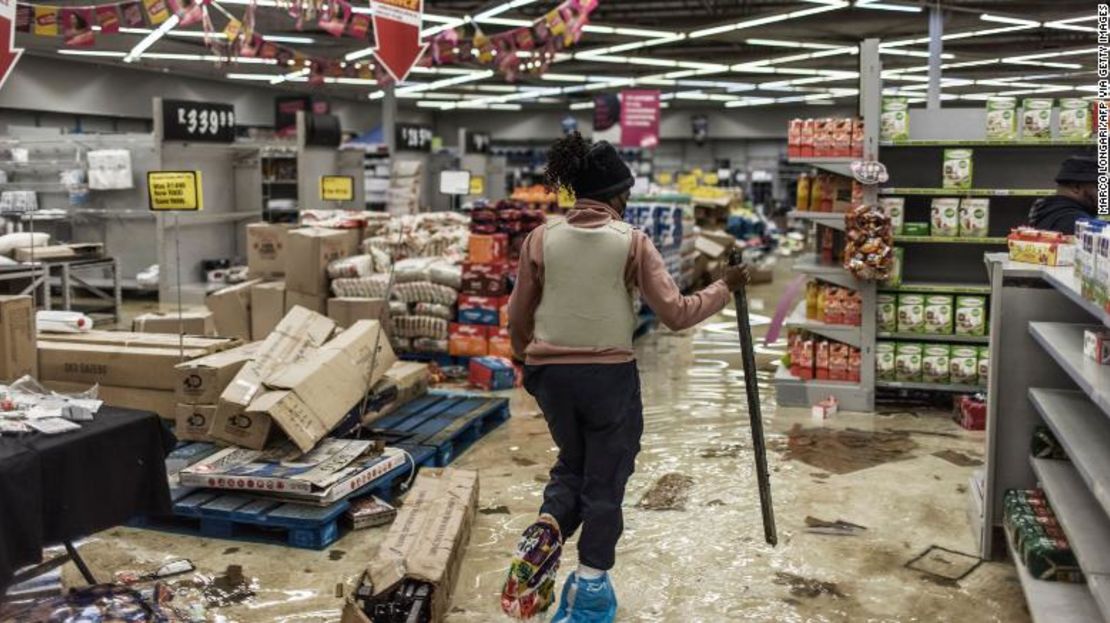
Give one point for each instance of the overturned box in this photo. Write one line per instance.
(425, 543)
(202, 380)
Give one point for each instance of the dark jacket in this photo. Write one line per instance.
(1057, 213)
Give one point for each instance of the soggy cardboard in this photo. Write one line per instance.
(308, 254)
(18, 354)
(191, 323)
(202, 380)
(267, 308)
(231, 309)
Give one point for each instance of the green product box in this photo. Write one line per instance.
(1076, 119)
(957, 168)
(1002, 118)
(895, 208)
(971, 315)
(938, 314)
(885, 369)
(894, 119)
(911, 313)
(886, 313)
(907, 362)
(945, 217)
(983, 364)
(915, 229)
(934, 364)
(1036, 118)
(962, 362)
(974, 216)
(895, 278)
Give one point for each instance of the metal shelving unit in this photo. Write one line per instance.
(950, 239)
(849, 334)
(937, 387)
(837, 165)
(969, 192)
(835, 220)
(950, 338)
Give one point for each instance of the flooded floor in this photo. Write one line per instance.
(708, 562)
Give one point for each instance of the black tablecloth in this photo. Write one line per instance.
(63, 487)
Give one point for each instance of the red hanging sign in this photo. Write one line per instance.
(397, 26)
(640, 119)
(8, 53)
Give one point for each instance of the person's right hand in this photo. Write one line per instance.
(736, 277)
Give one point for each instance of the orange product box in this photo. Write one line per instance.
(504, 308)
(499, 343)
(794, 138)
(838, 361)
(468, 340)
(805, 139)
(820, 138)
(821, 360)
(842, 137)
(854, 358)
(488, 248)
(857, 138)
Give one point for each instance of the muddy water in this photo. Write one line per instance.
(705, 563)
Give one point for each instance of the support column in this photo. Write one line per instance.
(389, 119)
(936, 46)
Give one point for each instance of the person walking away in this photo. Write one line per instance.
(571, 320)
(1076, 197)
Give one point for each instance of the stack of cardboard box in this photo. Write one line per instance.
(193, 322)
(198, 385)
(483, 302)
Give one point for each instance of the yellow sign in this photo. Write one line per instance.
(477, 185)
(664, 178)
(337, 188)
(175, 191)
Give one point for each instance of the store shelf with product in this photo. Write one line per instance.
(1084, 433)
(1050, 602)
(969, 192)
(927, 337)
(937, 387)
(835, 220)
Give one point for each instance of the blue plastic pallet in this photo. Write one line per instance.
(446, 422)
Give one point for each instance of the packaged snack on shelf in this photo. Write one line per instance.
(884, 361)
(805, 356)
(974, 216)
(971, 315)
(488, 248)
(1096, 345)
(907, 362)
(855, 359)
(822, 138)
(963, 365)
(911, 313)
(834, 305)
(842, 137)
(886, 313)
(821, 360)
(483, 310)
(1002, 118)
(938, 314)
(934, 364)
(895, 208)
(801, 202)
(1075, 119)
(813, 295)
(500, 344)
(915, 229)
(852, 306)
(983, 364)
(1034, 246)
(857, 138)
(895, 278)
(805, 138)
(957, 168)
(945, 217)
(839, 355)
(1036, 118)
(894, 120)
(794, 139)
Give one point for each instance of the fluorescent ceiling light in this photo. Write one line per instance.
(137, 52)
(779, 43)
(1002, 19)
(769, 19)
(1070, 24)
(446, 82)
(882, 6)
(1047, 64)
(504, 21)
(101, 53)
(581, 105)
(257, 77)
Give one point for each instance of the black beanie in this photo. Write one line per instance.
(1078, 170)
(603, 174)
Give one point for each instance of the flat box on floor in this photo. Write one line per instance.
(202, 380)
(231, 309)
(158, 401)
(492, 373)
(427, 540)
(18, 354)
(190, 323)
(267, 308)
(144, 367)
(266, 244)
(308, 398)
(308, 254)
(191, 422)
(346, 311)
(300, 333)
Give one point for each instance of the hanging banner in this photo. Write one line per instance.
(8, 54)
(607, 111)
(175, 191)
(640, 118)
(397, 30)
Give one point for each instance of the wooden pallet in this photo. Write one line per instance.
(446, 422)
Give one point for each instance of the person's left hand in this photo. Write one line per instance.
(736, 277)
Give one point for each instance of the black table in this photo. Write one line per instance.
(57, 488)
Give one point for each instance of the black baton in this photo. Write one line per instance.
(747, 350)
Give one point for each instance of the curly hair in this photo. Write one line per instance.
(565, 161)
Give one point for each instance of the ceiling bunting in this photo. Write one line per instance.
(24, 18)
(334, 17)
(188, 12)
(131, 13)
(77, 27)
(156, 11)
(108, 18)
(46, 21)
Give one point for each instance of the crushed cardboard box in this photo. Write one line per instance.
(231, 309)
(404, 381)
(308, 398)
(190, 323)
(427, 540)
(267, 308)
(152, 340)
(202, 380)
(18, 354)
(298, 334)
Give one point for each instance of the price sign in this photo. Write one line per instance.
(337, 188)
(477, 143)
(198, 121)
(175, 191)
(412, 137)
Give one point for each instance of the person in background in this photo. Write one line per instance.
(1076, 197)
(571, 320)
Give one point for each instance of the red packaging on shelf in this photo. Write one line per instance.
(805, 145)
(854, 359)
(500, 345)
(485, 279)
(838, 361)
(821, 360)
(488, 248)
(805, 357)
(468, 340)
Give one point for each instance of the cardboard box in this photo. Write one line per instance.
(500, 343)
(403, 382)
(202, 380)
(18, 354)
(59, 252)
(308, 253)
(267, 308)
(1096, 345)
(427, 540)
(468, 340)
(314, 302)
(488, 248)
(266, 244)
(158, 401)
(191, 323)
(492, 373)
(152, 340)
(299, 334)
(485, 279)
(307, 399)
(191, 422)
(118, 365)
(231, 309)
(346, 311)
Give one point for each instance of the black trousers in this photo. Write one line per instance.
(596, 418)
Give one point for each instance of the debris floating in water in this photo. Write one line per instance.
(669, 493)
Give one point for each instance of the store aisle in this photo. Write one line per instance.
(707, 562)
